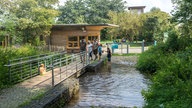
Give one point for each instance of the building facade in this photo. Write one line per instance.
(70, 35)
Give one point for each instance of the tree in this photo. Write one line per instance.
(129, 25)
(89, 11)
(34, 19)
(7, 20)
(182, 15)
(155, 24)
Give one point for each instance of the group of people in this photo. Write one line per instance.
(93, 47)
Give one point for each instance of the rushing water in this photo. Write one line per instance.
(115, 85)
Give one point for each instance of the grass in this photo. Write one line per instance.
(132, 44)
(131, 54)
(39, 96)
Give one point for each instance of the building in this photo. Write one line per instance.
(138, 9)
(69, 35)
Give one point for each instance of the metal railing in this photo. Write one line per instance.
(126, 48)
(28, 67)
(73, 65)
(51, 48)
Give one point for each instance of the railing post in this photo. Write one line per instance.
(9, 64)
(60, 67)
(121, 48)
(86, 58)
(83, 58)
(66, 65)
(53, 81)
(143, 46)
(128, 48)
(31, 69)
(21, 67)
(72, 58)
(76, 63)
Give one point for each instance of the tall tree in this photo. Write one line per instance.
(155, 24)
(89, 11)
(182, 15)
(7, 20)
(35, 19)
(129, 24)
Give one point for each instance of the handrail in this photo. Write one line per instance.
(25, 69)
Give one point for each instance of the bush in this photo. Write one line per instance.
(171, 86)
(173, 75)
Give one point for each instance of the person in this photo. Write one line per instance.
(90, 50)
(95, 48)
(100, 51)
(82, 50)
(109, 55)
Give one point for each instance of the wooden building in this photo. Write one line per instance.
(69, 35)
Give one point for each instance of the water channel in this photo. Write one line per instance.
(115, 85)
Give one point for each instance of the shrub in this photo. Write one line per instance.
(172, 64)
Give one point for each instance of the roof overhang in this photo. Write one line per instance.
(82, 26)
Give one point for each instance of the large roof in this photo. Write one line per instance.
(80, 26)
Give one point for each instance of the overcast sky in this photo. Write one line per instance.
(164, 5)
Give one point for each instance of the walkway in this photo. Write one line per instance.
(33, 88)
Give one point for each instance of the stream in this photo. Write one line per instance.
(117, 84)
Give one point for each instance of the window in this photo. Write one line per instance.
(91, 38)
(72, 41)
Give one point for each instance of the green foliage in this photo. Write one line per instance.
(26, 20)
(170, 64)
(89, 11)
(182, 15)
(129, 25)
(172, 83)
(12, 53)
(148, 26)
(155, 24)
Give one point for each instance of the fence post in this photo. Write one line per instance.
(143, 45)
(128, 48)
(121, 48)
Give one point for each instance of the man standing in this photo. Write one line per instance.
(95, 48)
(82, 50)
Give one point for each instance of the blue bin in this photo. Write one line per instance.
(114, 46)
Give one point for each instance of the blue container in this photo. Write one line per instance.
(114, 46)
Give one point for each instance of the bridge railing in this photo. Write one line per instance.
(73, 65)
(28, 67)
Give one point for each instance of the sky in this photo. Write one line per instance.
(164, 5)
